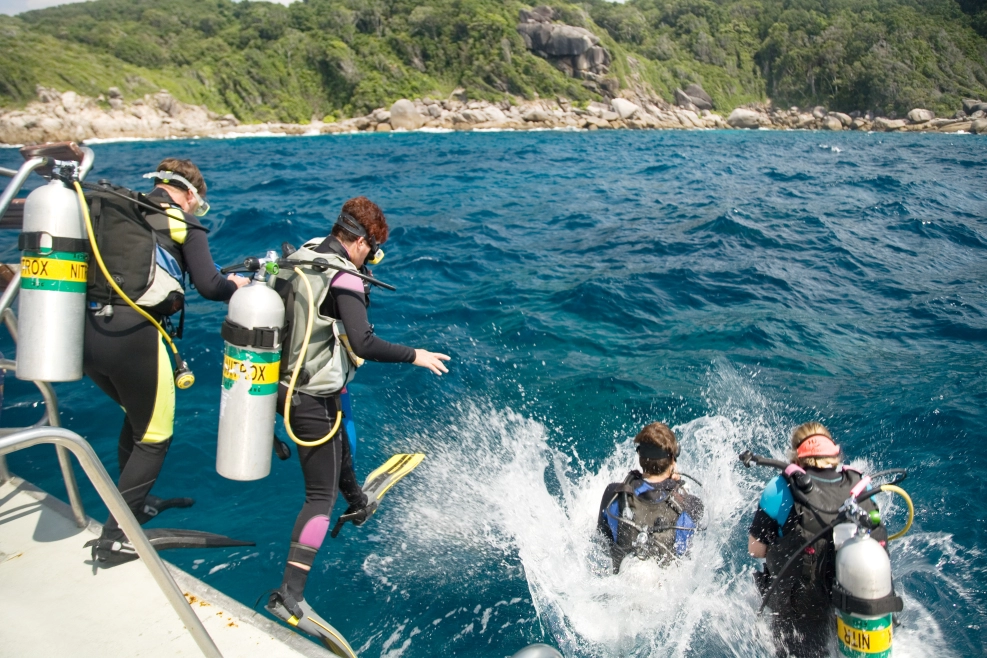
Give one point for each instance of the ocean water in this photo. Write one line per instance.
(731, 284)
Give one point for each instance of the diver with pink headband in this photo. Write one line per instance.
(800, 603)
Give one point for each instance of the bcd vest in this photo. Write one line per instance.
(328, 368)
(816, 569)
(647, 521)
(141, 250)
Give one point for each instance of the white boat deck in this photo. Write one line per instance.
(53, 604)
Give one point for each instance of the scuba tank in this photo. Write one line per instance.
(863, 585)
(52, 305)
(251, 369)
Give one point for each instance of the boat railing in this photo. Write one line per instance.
(48, 430)
(93, 467)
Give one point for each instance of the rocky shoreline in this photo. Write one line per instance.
(63, 116)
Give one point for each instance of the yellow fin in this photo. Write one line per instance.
(390, 472)
(341, 646)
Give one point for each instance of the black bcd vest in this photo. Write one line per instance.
(817, 568)
(128, 239)
(647, 521)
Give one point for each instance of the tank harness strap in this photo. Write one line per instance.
(33, 242)
(625, 488)
(264, 337)
(850, 603)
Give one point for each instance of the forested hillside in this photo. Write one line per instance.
(264, 61)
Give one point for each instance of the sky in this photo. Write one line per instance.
(12, 7)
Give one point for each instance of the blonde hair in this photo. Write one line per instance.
(803, 432)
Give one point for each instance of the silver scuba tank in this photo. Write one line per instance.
(863, 571)
(251, 369)
(52, 304)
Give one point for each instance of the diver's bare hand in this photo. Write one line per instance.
(240, 281)
(431, 360)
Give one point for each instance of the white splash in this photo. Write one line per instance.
(494, 488)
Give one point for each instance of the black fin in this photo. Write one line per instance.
(166, 538)
(154, 506)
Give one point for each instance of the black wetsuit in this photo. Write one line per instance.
(126, 357)
(328, 468)
(802, 615)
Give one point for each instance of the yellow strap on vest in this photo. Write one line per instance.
(177, 227)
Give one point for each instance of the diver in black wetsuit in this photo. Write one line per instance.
(328, 467)
(125, 356)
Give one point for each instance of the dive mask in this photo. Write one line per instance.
(166, 177)
(651, 451)
(349, 223)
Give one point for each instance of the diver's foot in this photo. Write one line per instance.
(357, 514)
(154, 506)
(109, 552)
(299, 614)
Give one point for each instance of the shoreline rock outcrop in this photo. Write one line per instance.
(58, 116)
(573, 50)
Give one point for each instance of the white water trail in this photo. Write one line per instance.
(494, 489)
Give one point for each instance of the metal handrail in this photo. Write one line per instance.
(51, 417)
(15, 185)
(97, 474)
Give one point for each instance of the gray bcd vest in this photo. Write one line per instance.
(329, 362)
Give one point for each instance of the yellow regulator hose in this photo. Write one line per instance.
(891, 488)
(121, 293)
(298, 366)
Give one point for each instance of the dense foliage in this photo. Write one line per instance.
(264, 61)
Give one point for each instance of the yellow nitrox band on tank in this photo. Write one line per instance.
(864, 638)
(60, 271)
(261, 369)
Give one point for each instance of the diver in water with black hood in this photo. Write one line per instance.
(649, 514)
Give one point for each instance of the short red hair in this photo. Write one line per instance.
(370, 217)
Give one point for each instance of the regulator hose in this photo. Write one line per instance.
(183, 374)
(298, 366)
(892, 488)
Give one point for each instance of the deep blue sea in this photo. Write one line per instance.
(732, 284)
